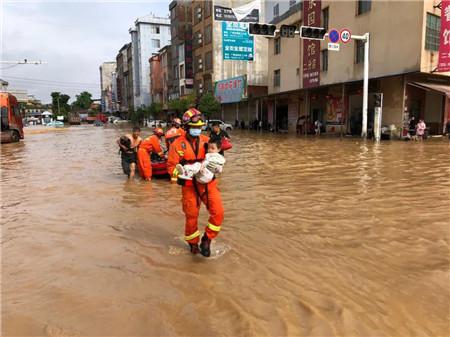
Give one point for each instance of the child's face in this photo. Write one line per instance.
(212, 148)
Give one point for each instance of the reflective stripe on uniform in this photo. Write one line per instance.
(181, 153)
(213, 227)
(175, 173)
(192, 236)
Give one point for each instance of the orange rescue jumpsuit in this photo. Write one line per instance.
(172, 134)
(149, 145)
(182, 151)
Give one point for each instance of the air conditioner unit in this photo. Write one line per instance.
(200, 85)
(199, 16)
(200, 41)
(199, 10)
(200, 66)
(199, 35)
(200, 61)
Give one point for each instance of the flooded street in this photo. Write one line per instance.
(321, 237)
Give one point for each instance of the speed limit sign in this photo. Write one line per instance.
(345, 35)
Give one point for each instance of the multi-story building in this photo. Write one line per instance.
(182, 74)
(404, 42)
(226, 57)
(160, 81)
(149, 34)
(128, 77)
(122, 75)
(106, 78)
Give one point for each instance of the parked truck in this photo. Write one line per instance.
(11, 119)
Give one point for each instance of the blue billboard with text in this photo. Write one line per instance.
(237, 44)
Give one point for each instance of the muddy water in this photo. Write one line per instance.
(321, 238)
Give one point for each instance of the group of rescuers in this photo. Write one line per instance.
(193, 160)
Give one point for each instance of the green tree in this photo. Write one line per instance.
(137, 116)
(181, 105)
(154, 110)
(208, 105)
(83, 101)
(60, 104)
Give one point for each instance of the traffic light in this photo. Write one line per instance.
(261, 29)
(288, 31)
(312, 33)
(378, 100)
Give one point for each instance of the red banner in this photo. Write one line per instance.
(444, 41)
(312, 9)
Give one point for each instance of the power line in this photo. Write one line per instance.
(47, 81)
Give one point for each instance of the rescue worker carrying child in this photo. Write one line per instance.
(189, 149)
(150, 147)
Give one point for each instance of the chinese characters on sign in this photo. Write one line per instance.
(237, 44)
(444, 43)
(311, 48)
(231, 90)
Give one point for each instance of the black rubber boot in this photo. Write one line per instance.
(205, 246)
(194, 248)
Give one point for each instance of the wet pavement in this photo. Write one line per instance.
(322, 237)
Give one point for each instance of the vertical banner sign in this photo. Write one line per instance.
(444, 41)
(311, 48)
(237, 44)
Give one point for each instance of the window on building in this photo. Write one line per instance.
(292, 3)
(207, 84)
(325, 17)
(432, 33)
(359, 51)
(197, 14)
(364, 6)
(276, 10)
(199, 64)
(324, 61)
(182, 91)
(181, 53)
(208, 34)
(155, 30)
(175, 72)
(198, 39)
(276, 78)
(208, 8)
(208, 60)
(277, 43)
(156, 43)
(182, 75)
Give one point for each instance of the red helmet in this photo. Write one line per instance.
(176, 122)
(158, 132)
(193, 117)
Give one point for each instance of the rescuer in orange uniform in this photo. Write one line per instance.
(189, 149)
(174, 132)
(150, 146)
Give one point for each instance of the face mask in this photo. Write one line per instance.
(195, 132)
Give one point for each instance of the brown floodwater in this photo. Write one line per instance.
(322, 237)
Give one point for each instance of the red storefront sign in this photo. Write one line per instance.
(311, 48)
(444, 42)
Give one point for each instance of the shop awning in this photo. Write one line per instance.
(441, 88)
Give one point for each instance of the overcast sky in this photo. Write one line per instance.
(74, 37)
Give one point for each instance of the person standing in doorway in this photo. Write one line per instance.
(420, 129)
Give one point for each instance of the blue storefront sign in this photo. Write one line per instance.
(237, 44)
(231, 90)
